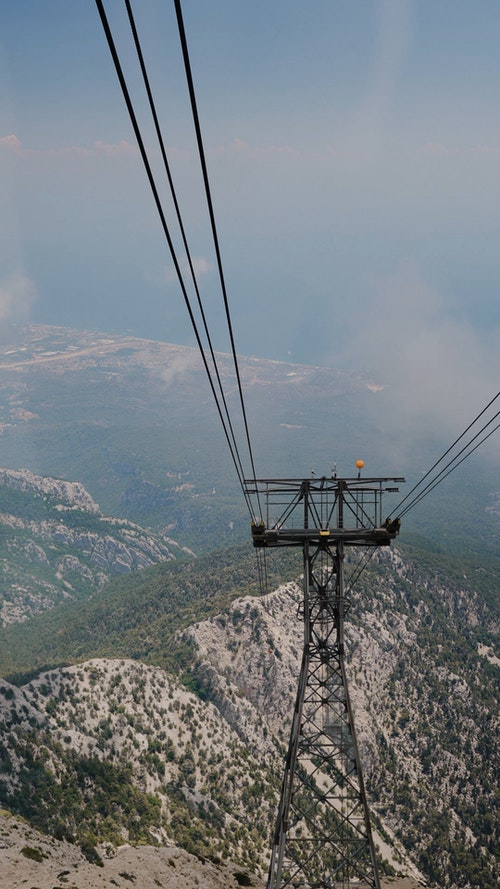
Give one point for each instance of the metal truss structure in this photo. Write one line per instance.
(323, 837)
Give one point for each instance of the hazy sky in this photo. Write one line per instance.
(354, 157)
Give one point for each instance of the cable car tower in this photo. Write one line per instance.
(323, 837)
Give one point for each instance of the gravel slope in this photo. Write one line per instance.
(32, 860)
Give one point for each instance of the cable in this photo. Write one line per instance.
(159, 207)
(262, 571)
(187, 65)
(451, 463)
(161, 143)
(439, 479)
(360, 567)
(421, 481)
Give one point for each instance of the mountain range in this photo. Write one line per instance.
(55, 544)
(134, 421)
(149, 676)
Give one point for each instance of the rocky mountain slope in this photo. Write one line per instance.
(55, 544)
(28, 857)
(153, 711)
(120, 751)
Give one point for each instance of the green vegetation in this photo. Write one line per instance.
(147, 444)
(88, 800)
(242, 878)
(438, 712)
(441, 713)
(134, 441)
(138, 615)
(33, 854)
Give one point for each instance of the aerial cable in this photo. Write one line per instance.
(359, 568)
(440, 477)
(421, 481)
(179, 220)
(451, 463)
(262, 571)
(159, 207)
(437, 479)
(189, 77)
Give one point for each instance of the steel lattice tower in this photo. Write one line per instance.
(323, 837)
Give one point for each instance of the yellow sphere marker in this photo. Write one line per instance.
(360, 464)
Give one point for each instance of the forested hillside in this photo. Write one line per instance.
(56, 545)
(166, 750)
(154, 705)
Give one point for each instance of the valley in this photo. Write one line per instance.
(149, 675)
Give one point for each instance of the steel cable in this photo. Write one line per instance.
(199, 139)
(440, 477)
(173, 193)
(149, 173)
(436, 464)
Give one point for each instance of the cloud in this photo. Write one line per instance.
(369, 126)
(181, 366)
(99, 148)
(435, 149)
(115, 149)
(17, 294)
(11, 143)
(241, 148)
(437, 369)
(201, 267)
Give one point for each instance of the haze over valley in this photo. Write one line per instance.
(245, 242)
(149, 679)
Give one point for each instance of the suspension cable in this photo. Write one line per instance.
(189, 77)
(166, 164)
(434, 466)
(175, 261)
(362, 563)
(440, 477)
(452, 464)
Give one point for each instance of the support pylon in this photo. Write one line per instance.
(323, 837)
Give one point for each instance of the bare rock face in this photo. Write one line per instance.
(108, 720)
(70, 495)
(422, 691)
(129, 755)
(56, 544)
(29, 857)
(113, 751)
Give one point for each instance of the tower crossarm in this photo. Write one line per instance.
(267, 537)
(323, 511)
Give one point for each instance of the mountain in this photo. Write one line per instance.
(134, 421)
(137, 615)
(55, 544)
(119, 748)
(153, 706)
(29, 854)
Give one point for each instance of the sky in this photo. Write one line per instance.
(353, 150)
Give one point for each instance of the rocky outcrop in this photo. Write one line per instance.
(55, 544)
(69, 495)
(119, 751)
